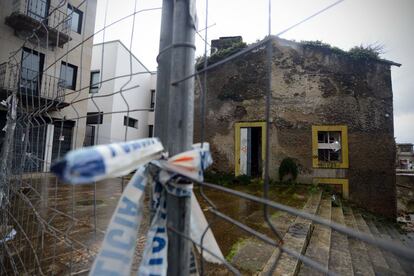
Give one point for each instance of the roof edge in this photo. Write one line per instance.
(380, 60)
(126, 48)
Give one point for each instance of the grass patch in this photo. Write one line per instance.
(290, 189)
(276, 214)
(228, 179)
(313, 189)
(224, 179)
(235, 248)
(298, 196)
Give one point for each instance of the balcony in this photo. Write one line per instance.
(34, 90)
(50, 23)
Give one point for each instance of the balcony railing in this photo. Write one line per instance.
(50, 23)
(41, 85)
(33, 88)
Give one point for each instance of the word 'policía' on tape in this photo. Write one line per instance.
(118, 247)
(106, 161)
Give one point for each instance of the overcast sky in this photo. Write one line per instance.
(352, 22)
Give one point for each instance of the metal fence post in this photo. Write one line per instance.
(163, 72)
(174, 115)
(6, 150)
(181, 100)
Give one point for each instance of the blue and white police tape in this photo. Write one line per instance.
(155, 258)
(117, 250)
(106, 161)
(118, 247)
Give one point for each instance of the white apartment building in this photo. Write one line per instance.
(118, 84)
(48, 72)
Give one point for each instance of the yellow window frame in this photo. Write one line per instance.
(336, 181)
(237, 127)
(344, 164)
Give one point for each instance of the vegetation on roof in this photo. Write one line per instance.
(220, 54)
(369, 52)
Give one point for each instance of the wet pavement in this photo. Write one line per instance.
(248, 212)
(60, 227)
(241, 249)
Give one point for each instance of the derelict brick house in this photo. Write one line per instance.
(331, 112)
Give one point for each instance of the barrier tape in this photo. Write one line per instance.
(117, 251)
(107, 161)
(154, 261)
(96, 163)
(9, 236)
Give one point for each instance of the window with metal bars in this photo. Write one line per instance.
(329, 146)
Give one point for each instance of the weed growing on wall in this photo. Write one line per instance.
(288, 167)
(369, 52)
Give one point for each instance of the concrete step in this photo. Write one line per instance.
(320, 241)
(392, 262)
(296, 238)
(377, 259)
(406, 265)
(339, 255)
(253, 254)
(406, 239)
(361, 263)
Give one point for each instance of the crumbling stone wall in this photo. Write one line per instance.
(405, 193)
(310, 86)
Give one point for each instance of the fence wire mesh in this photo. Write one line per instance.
(56, 99)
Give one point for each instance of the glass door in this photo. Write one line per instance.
(31, 74)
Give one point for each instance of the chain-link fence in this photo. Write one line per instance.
(60, 92)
